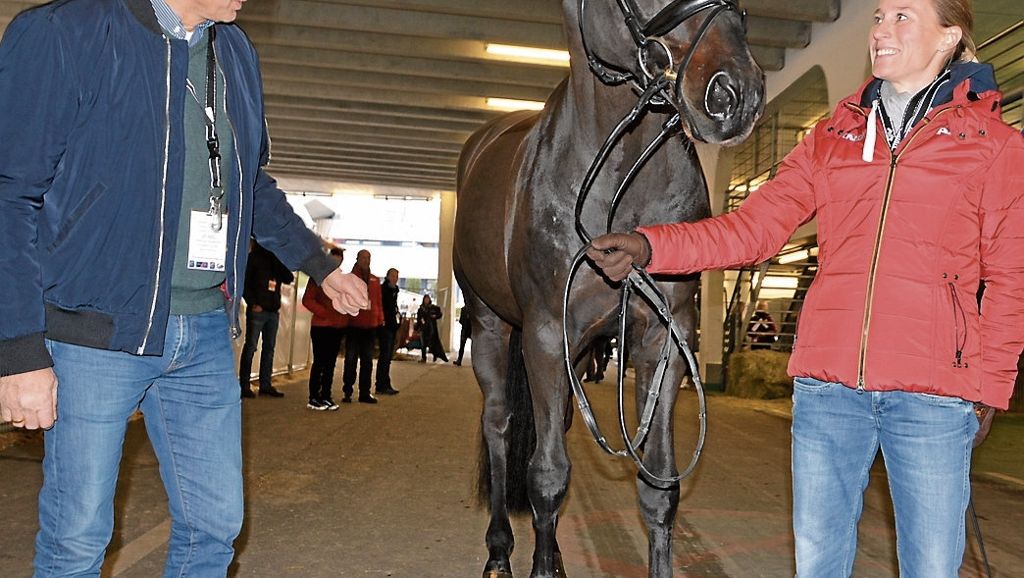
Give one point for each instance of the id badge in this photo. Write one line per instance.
(207, 248)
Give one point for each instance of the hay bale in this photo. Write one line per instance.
(758, 374)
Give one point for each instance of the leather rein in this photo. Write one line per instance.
(653, 87)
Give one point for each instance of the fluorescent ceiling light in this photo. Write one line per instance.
(778, 282)
(529, 54)
(513, 104)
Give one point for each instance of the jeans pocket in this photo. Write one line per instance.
(941, 400)
(811, 385)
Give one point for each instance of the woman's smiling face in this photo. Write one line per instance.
(909, 46)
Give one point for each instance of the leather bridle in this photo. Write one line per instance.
(648, 36)
(652, 87)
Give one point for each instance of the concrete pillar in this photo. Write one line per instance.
(445, 270)
(717, 164)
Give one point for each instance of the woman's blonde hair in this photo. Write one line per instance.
(958, 13)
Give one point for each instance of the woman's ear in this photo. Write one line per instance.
(951, 38)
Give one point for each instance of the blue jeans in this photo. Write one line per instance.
(189, 398)
(256, 324)
(926, 443)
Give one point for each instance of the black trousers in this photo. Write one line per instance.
(386, 344)
(326, 345)
(358, 351)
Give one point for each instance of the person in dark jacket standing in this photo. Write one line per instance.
(426, 320)
(915, 181)
(387, 332)
(465, 334)
(361, 335)
(264, 276)
(126, 205)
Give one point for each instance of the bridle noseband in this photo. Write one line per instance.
(652, 87)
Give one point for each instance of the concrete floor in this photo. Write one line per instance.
(387, 490)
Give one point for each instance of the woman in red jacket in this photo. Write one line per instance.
(917, 187)
(326, 331)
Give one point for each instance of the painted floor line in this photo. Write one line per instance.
(139, 548)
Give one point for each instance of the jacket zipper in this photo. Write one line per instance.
(869, 299)
(958, 314)
(235, 329)
(163, 200)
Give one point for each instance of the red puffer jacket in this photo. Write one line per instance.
(905, 242)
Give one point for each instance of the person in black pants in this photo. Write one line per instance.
(386, 334)
(361, 335)
(426, 320)
(466, 333)
(327, 329)
(264, 276)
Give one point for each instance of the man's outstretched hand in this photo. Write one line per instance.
(616, 253)
(29, 400)
(347, 292)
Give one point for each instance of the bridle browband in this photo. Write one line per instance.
(652, 87)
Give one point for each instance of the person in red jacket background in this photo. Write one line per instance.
(917, 187)
(361, 334)
(327, 328)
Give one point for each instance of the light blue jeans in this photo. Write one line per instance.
(926, 443)
(189, 397)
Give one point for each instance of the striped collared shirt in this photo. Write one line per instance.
(171, 23)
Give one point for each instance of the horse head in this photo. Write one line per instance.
(696, 48)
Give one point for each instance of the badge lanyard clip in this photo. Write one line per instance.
(212, 140)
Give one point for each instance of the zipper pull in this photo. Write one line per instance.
(860, 385)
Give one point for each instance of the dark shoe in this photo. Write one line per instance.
(346, 399)
(316, 405)
(457, 362)
(387, 391)
(272, 392)
(329, 404)
(367, 399)
(246, 392)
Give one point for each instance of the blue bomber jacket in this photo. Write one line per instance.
(91, 175)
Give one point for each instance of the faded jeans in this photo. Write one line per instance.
(189, 397)
(926, 444)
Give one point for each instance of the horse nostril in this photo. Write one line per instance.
(721, 98)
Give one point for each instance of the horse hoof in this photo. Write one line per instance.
(497, 574)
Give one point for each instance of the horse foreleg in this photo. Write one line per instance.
(658, 501)
(549, 468)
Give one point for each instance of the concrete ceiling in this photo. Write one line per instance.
(385, 91)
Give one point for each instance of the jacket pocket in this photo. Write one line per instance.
(959, 326)
(69, 222)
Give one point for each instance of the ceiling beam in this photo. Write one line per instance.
(289, 88)
(412, 66)
(370, 149)
(390, 21)
(803, 10)
(381, 83)
(354, 107)
(369, 177)
(381, 120)
(400, 142)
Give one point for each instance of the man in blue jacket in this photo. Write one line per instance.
(131, 180)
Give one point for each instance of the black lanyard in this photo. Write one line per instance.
(210, 119)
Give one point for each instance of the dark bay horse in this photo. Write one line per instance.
(515, 239)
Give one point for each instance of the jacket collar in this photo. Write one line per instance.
(979, 77)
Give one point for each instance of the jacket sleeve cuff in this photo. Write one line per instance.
(24, 354)
(318, 266)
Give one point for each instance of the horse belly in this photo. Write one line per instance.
(488, 167)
